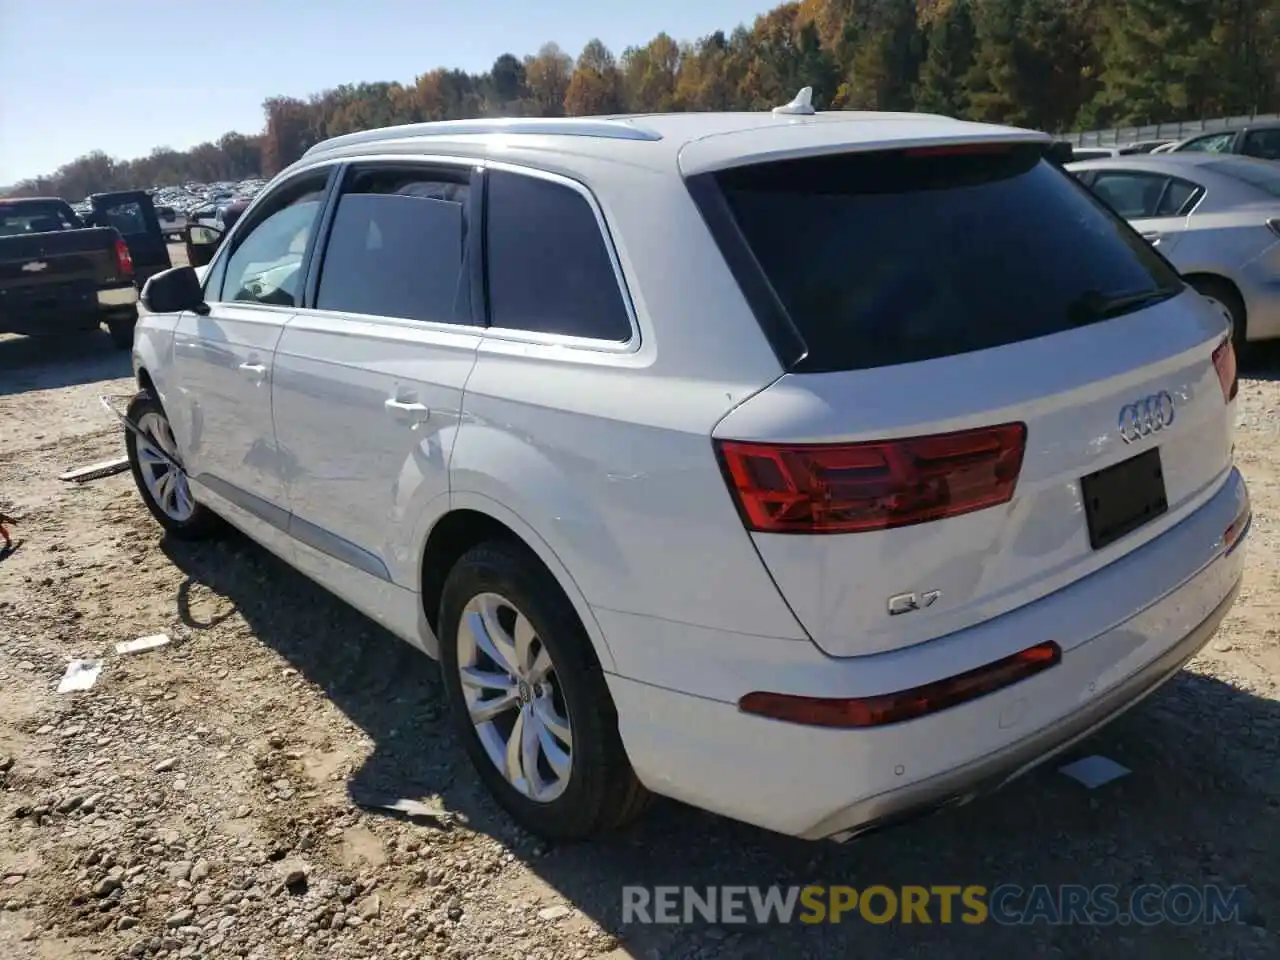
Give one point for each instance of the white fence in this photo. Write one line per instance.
(1164, 131)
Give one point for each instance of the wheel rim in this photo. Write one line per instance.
(513, 697)
(166, 486)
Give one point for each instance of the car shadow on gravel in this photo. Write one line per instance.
(1201, 806)
(47, 363)
(1261, 361)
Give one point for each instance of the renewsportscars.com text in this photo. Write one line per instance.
(1005, 904)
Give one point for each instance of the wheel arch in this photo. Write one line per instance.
(1221, 279)
(472, 519)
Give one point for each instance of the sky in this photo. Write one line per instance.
(124, 77)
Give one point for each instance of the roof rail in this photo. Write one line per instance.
(546, 126)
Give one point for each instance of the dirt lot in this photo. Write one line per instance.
(198, 801)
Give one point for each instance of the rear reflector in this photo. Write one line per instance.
(123, 260)
(1224, 361)
(878, 485)
(884, 709)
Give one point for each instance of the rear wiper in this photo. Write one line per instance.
(1094, 305)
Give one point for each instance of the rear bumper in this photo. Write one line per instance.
(959, 785)
(1124, 631)
(112, 299)
(1260, 286)
(65, 310)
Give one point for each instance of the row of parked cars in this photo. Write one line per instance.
(816, 469)
(1260, 140)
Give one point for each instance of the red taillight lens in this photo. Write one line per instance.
(856, 487)
(1224, 361)
(123, 260)
(882, 710)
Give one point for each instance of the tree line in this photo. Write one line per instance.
(1055, 65)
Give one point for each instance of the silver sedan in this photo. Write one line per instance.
(1215, 217)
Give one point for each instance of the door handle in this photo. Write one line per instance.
(1152, 238)
(254, 371)
(409, 410)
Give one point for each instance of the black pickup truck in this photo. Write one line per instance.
(58, 275)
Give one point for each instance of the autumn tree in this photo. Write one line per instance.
(949, 45)
(547, 76)
(596, 85)
(650, 75)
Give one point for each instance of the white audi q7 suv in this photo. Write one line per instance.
(816, 469)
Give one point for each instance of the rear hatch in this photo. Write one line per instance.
(1001, 387)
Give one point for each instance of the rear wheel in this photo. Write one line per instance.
(1223, 297)
(529, 699)
(163, 487)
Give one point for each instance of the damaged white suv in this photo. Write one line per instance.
(867, 450)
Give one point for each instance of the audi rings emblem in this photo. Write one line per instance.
(1145, 417)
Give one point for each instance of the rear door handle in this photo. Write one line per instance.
(256, 372)
(407, 410)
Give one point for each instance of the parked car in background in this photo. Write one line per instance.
(1217, 220)
(58, 276)
(1142, 146)
(595, 411)
(1261, 140)
(172, 223)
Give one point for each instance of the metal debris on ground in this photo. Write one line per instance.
(1094, 771)
(80, 675)
(96, 471)
(431, 810)
(143, 643)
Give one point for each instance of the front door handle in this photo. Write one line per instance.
(1152, 238)
(407, 410)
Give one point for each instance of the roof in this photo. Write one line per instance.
(1170, 163)
(696, 142)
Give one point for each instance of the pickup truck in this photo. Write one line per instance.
(59, 276)
(133, 216)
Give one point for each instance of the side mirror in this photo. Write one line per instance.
(174, 291)
(202, 243)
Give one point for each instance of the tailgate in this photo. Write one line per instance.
(49, 259)
(1003, 389)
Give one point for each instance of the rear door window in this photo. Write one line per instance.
(1262, 143)
(549, 269)
(901, 256)
(1132, 195)
(397, 248)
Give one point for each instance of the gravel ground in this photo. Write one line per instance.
(197, 802)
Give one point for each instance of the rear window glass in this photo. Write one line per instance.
(1262, 174)
(895, 257)
(34, 217)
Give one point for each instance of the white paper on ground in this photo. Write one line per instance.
(143, 643)
(80, 675)
(1093, 771)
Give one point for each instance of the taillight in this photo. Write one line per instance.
(123, 260)
(856, 487)
(1224, 361)
(884, 709)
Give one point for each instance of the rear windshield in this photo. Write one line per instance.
(1263, 174)
(894, 257)
(35, 216)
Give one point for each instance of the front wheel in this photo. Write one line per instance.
(529, 698)
(164, 488)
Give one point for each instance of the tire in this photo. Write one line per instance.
(600, 791)
(1225, 297)
(179, 515)
(121, 331)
